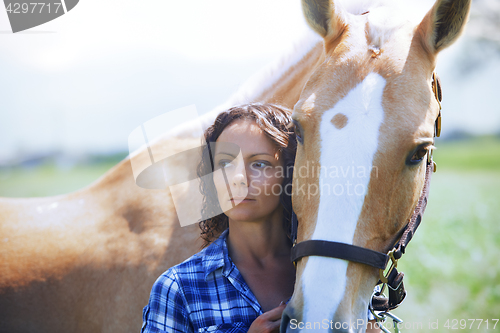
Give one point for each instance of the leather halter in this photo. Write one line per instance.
(376, 259)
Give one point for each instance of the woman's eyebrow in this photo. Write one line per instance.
(267, 154)
(224, 153)
(250, 156)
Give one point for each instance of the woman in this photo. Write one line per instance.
(242, 279)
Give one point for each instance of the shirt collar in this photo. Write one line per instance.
(216, 256)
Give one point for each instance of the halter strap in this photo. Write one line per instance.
(340, 251)
(416, 218)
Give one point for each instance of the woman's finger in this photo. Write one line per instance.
(275, 314)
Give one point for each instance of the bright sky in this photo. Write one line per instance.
(84, 81)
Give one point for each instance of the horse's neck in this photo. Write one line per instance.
(279, 83)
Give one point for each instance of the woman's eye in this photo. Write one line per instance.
(260, 164)
(419, 155)
(224, 164)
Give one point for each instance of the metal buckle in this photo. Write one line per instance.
(438, 122)
(295, 261)
(436, 94)
(383, 277)
(381, 317)
(430, 160)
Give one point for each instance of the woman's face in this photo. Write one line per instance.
(248, 181)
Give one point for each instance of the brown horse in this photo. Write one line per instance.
(85, 262)
(366, 122)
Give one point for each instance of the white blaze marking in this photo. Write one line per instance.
(350, 152)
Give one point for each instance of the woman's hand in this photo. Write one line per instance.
(268, 321)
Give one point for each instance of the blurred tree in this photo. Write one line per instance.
(481, 44)
(484, 22)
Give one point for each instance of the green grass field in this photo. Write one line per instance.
(451, 266)
(50, 179)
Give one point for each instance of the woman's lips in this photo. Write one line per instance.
(240, 200)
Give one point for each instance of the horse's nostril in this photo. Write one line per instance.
(285, 319)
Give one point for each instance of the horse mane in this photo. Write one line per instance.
(252, 89)
(269, 75)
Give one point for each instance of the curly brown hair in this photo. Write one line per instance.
(274, 121)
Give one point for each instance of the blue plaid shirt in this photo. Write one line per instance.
(205, 293)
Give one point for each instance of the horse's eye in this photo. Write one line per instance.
(298, 132)
(419, 155)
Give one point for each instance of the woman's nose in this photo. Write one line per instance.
(240, 179)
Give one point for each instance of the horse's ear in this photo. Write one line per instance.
(323, 16)
(444, 23)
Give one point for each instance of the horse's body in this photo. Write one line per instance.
(85, 262)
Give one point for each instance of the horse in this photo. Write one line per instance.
(86, 261)
(365, 121)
